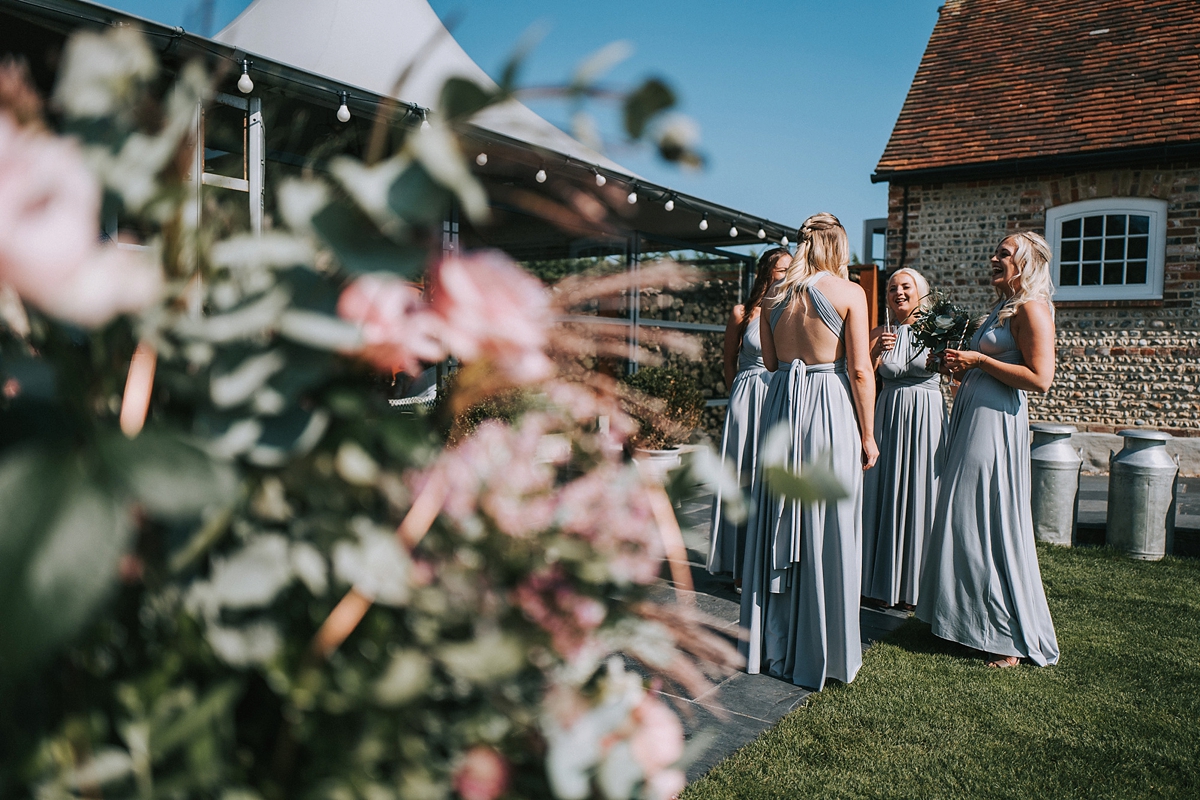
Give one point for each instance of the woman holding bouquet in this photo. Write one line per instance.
(800, 598)
(899, 494)
(981, 585)
(747, 380)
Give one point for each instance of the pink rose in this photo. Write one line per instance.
(49, 234)
(657, 742)
(494, 310)
(482, 775)
(665, 785)
(398, 329)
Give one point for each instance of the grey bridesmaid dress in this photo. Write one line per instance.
(739, 448)
(981, 585)
(900, 491)
(800, 589)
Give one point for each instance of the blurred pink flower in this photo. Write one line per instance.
(665, 785)
(657, 741)
(548, 599)
(399, 330)
(494, 310)
(49, 234)
(610, 507)
(482, 775)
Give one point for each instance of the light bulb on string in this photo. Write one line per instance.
(733, 232)
(343, 112)
(704, 222)
(669, 205)
(424, 120)
(783, 240)
(540, 177)
(600, 179)
(632, 198)
(762, 234)
(245, 83)
(481, 159)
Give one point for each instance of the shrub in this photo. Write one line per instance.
(671, 420)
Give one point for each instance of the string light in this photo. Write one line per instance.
(704, 222)
(733, 232)
(343, 112)
(632, 198)
(670, 204)
(481, 159)
(600, 179)
(783, 240)
(762, 234)
(245, 83)
(424, 120)
(540, 177)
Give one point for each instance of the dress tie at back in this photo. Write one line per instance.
(821, 305)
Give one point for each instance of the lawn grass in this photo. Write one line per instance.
(1119, 716)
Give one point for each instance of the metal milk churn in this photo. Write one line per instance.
(1055, 478)
(1141, 495)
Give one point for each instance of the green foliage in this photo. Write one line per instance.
(651, 98)
(926, 718)
(672, 419)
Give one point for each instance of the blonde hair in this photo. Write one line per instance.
(820, 247)
(1032, 258)
(922, 285)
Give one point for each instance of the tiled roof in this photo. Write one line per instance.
(1017, 79)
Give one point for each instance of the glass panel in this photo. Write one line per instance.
(1091, 275)
(1135, 272)
(1113, 272)
(1137, 246)
(1114, 225)
(1114, 249)
(1093, 226)
(1070, 250)
(1092, 249)
(1138, 224)
(1068, 275)
(1070, 229)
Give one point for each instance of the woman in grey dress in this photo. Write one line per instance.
(747, 380)
(981, 585)
(899, 493)
(800, 595)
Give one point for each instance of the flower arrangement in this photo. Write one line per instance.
(666, 405)
(943, 325)
(228, 568)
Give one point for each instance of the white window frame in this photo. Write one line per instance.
(1155, 255)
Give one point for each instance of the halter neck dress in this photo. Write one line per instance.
(981, 585)
(900, 491)
(800, 589)
(739, 448)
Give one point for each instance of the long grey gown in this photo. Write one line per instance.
(800, 590)
(739, 448)
(900, 491)
(981, 585)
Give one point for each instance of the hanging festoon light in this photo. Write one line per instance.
(762, 234)
(540, 177)
(481, 159)
(343, 112)
(600, 179)
(632, 198)
(245, 83)
(733, 231)
(783, 240)
(425, 119)
(670, 204)
(704, 222)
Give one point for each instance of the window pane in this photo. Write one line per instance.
(1113, 272)
(1093, 226)
(1137, 246)
(1114, 225)
(1092, 248)
(1138, 224)
(1114, 249)
(1070, 229)
(1070, 251)
(1135, 272)
(1091, 275)
(1068, 275)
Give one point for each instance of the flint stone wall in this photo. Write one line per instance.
(1120, 364)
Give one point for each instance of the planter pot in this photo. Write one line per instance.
(657, 463)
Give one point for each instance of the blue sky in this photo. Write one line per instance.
(795, 99)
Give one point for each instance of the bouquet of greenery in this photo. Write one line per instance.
(943, 325)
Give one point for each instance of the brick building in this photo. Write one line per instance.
(1079, 119)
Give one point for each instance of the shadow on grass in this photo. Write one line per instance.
(915, 636)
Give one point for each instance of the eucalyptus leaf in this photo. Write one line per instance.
(417, 198)
(213, 709)
(652, 97)
(462, 98)
(360, 246)
(169, 476)
(815, 483)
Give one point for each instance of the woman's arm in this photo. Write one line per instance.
(733, 343)
(1033, 328)
(861, 371)
(770, 359)
(881, 343)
